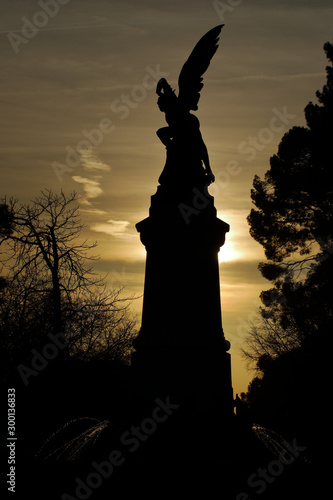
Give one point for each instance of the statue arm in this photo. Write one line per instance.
(162, 84)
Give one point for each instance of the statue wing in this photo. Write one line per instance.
(190, 78)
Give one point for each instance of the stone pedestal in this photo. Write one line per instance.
(181, 351)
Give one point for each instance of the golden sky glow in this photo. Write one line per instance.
(79, 112)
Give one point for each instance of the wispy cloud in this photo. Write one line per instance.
(87, 26)
(116, 228)
(93, 211)
(91, 188)
(278, 78)
(91, 163)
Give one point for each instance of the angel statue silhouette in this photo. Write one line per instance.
(187, 161)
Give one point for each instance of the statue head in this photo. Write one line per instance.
(167, 97)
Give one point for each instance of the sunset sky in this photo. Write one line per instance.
(79, 113)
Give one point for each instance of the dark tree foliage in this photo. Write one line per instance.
(294, 201)
(293, 220)
(6, 219)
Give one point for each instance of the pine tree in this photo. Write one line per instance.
(293, 221)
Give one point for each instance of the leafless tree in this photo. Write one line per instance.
(49, 283)
(44, 240)
(267, 338)
(102, 327)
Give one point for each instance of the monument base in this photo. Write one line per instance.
(197, 385)
(181, 353)
(199, 378)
